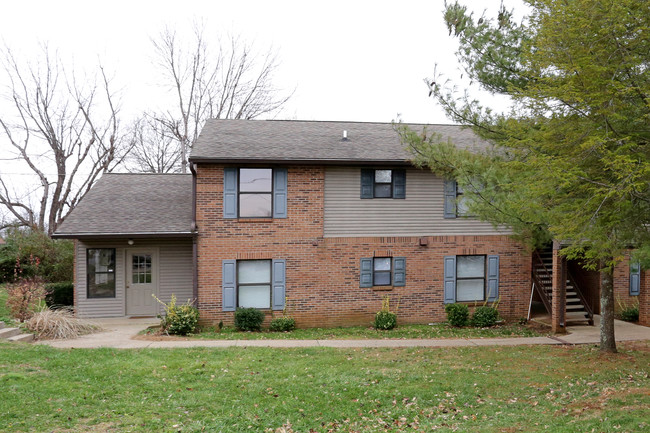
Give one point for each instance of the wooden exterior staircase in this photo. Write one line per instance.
(577, 310)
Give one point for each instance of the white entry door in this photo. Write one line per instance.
(141, 283)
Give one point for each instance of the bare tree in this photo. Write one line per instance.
(60, 130)
(226, 81)
(153, 149)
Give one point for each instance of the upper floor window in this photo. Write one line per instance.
(456, 202)
(383, 183)
(254, 192)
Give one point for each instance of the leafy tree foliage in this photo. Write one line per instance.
(571, 159)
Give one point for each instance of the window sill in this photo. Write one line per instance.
(255, 220)
(382, 288)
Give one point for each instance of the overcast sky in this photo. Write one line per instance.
(347, 60)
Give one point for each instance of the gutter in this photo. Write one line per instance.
(347, 162)
(195, 251)
(135, 235)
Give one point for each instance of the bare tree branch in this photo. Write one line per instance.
(57, 125)
(226, 81)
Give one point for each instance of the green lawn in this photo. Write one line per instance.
(437, 330)
(492, 389)
(5, 316)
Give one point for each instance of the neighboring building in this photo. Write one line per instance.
(321, 218)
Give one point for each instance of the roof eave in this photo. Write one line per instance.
(286, 161)
(135, 235)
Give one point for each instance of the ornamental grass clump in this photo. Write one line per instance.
(58, 324)
(178, 319)
(385, 319)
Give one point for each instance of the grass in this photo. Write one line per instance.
(487, 389)
(5, 315)
(437, 330)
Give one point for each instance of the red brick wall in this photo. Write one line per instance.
(322, 276)
(622, 291)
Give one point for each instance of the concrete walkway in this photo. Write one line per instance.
(118, 334)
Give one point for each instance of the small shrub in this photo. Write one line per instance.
(457, 314)
(179, 319)
(385, 320)
(58, 324)
(629, 314)
(248, 319)
(25, 294)
(283, 324)
(59, 294)
(485, 317)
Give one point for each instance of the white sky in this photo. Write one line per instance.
(353, 60)
(347, 60)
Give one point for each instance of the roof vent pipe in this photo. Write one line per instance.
(345, 135)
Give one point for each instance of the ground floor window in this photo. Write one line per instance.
(254, 283)
(100, 265)
(470, 278)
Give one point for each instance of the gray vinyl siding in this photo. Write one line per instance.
(174, 275)
(419, 214)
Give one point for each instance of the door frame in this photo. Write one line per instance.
(155, 272)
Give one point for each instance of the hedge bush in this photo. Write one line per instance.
(248, 319)
(457, 314)
(283, 324)
(485, 317)
(59, 294)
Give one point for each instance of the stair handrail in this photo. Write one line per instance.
(537, 283)
(590, 312)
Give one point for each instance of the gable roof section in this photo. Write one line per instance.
(312, 142)
(133, 205)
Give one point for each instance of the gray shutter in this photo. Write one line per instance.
(367, 182)
(229, 283)
(450, 199)
(230, 192)
(279, 193)
(399, 183)
(450, 279)
(399, 271)
(279, 284)
(366, 273)
(635, 278)
(493, 278)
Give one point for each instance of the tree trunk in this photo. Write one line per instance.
(607, 339)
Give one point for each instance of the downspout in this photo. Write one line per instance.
(195, 255)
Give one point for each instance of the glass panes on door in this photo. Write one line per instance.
(141, 269)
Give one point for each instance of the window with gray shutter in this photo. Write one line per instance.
(635, 278)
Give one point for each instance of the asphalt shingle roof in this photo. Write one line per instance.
(313, 142)
(133, 204)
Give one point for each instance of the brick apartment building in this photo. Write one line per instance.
(322, 219)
